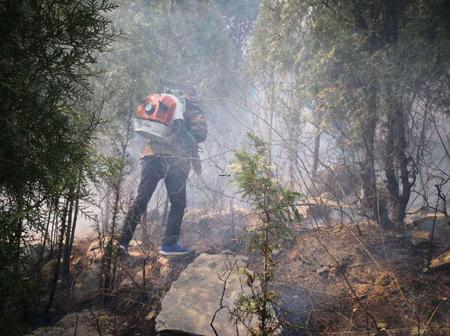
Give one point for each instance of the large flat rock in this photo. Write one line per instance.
(195, 297)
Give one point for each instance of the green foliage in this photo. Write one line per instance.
(366, 67)
(274, 207)
(338, 51)
(172, 43)
(47, 50)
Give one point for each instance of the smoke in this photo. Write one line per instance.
(190, 46)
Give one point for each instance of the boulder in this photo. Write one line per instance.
(87, 284)
(195, 297)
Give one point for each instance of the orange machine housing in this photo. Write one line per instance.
(158, 108)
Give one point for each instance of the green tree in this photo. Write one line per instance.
(274, 207)
(46, 53)
(366, 68)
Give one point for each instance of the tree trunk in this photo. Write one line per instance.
(71, 233)
(404, 161)
(372, 203)
(108, 254)
(58, 261)
(368, 178)
(66, 258)
(396, 161)
(316, 148)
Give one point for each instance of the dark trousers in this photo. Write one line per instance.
(154, 168)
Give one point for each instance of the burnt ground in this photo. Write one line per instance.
(346, 280)
(350, 281)
(141, 279)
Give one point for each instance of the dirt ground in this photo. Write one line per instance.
(361, 281)
(348, 280)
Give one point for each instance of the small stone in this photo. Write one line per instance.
(420, 238)
(151, 316)
(408, 223)
(362, 290)
(323, 271)
(381, 325)
(385, 280)
(135, 244)
(415, 331)
(328, 196)
(334, 271)
(163, 260)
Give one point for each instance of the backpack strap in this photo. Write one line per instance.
(196, 122)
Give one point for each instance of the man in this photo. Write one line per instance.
(171, 162)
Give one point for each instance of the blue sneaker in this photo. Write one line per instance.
(173, 250)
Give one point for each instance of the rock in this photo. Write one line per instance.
(328, 196)
(420, 238)
(441, 261)
(136, 248)
(48, 271)
(382, 325)
(362, 290)
(194, 298)
(323, 271)
(385, 280)
(87, 283)
(165, 267)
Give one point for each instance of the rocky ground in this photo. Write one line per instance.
(344, 280)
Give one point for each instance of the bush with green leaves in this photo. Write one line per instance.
(275, 209)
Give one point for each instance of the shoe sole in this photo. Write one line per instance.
(165, 253)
